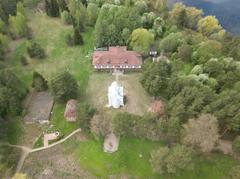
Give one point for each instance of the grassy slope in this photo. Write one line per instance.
(51, 33)
(126, 161)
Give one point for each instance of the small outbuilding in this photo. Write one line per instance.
(157, 107)
(115, 95)
(49, 137)
(71, 110)
(111, 143)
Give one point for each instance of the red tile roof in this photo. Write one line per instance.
(117, 56)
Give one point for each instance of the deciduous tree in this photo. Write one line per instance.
(202, 132)
(165, 160)
(141, 39)
(92, 13)
(209, 25)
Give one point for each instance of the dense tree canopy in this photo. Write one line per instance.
(12, 92)
(226, 109)
(156, 77)
(190, 102)
(141, 39)
(171, 42)
(112, 24)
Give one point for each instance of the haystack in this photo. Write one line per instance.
(71, 110)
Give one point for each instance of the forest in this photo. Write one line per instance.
(196, 75)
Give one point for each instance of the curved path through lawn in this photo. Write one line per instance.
(26, 150)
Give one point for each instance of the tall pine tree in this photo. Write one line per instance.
(52, 8)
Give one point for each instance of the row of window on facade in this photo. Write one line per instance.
(117, 66)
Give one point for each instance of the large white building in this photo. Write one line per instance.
(115, 95)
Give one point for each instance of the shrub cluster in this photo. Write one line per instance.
(35, 50)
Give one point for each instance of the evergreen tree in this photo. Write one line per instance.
(52, 8)
(64, 87)
(12, 92)
(39, 83)
(62, 5)
(77, 37)
(155, 77)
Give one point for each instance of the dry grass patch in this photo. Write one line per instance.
(137, 100)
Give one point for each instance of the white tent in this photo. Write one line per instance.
(115, 95)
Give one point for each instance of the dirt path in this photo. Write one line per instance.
(26, 150)
(56, 143)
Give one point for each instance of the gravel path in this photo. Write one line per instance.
(26, 150)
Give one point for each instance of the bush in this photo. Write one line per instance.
(236, 145)
(52, 8)
(85, 114)
(18, 25)
(23, 60)
(146, 126)
(69, 40)
(36, 51)
(39, 83)
(75, 39)
(101, 125)
(29, 34)
(66, 17)
(64, 87)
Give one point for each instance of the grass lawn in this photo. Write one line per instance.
(126, 161)
(137, 100)
(51, 34)
(215, 166)
(59, 122)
